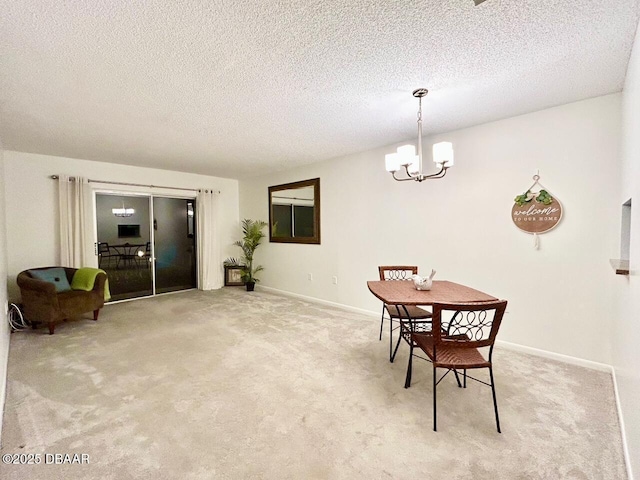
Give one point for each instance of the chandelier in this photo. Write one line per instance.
(405, 156)
(123, 212)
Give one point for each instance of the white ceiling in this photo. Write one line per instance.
(236, 88)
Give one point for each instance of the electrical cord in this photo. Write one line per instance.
(16, 319)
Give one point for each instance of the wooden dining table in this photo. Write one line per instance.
(442, 291)
(127, 253)
(399, 293)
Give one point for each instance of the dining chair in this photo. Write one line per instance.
(104, 252)
(399, 313)
(147, 252)
(459, 332)
(127, 254)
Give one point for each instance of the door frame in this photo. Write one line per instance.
(150, 195)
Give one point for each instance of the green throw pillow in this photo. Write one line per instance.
(57, 276)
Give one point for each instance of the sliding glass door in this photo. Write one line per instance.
(146, 244)
(175, 244)
(124, 244)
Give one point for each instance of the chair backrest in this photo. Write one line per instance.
(69, 272)
(103, 247)
(467, 325)
(398, 272)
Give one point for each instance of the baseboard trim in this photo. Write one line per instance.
(4, 381)
(603, 367)
(623, 430)
(342, 306)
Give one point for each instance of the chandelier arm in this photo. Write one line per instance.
(406, 169)
(393, 174)
(440, 174)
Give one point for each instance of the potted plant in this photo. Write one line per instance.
(253, 235)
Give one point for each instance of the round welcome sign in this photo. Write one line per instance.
(536, 212)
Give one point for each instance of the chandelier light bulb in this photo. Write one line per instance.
(443, 154)
(392, 162)
(406, 154)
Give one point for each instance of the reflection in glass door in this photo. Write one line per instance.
(124, 244)
(175, 244)
(144, 257)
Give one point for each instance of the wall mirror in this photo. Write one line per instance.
(294, 212)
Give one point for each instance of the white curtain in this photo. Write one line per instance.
(208, 229)
(73, 205)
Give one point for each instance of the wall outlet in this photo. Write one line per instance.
(310, 276)
(334, 280)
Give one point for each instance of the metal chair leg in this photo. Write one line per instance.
(407, 381)
(495, 402)
(392, 356)
(382, 322)
(435, 384)
(465, 378)
(455, 372)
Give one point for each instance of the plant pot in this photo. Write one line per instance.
(250, 286)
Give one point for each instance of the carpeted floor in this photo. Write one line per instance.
(236, 385)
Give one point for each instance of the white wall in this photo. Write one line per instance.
(4, 325)
(558, 296)
(626, 342)
(32, 211)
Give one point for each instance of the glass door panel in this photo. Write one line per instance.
(175, 244)
(124, 244)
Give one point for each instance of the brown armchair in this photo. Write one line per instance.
(43, 304)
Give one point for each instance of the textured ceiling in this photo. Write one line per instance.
(236, 88)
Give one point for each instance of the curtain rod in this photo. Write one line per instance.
(55, 177)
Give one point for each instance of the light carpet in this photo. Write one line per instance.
(235, 385)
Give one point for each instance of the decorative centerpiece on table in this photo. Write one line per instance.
(423, 283)
(253, 235)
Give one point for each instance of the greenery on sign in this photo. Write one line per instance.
(253, 235)
(543, 197)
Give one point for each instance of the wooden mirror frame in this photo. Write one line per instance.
(315, 183)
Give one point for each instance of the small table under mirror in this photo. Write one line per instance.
(294, 212)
